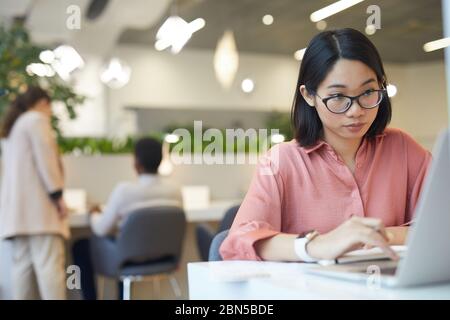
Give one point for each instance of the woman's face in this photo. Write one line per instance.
(350, 78)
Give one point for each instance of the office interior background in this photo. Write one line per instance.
(237, 68)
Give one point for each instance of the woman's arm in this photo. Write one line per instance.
(277, 248)
(45, 153)
(350, 235)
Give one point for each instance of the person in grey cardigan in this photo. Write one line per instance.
(32, 209)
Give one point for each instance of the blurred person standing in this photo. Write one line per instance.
(32, 209)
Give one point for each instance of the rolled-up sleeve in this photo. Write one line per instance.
(259, 216)
(419, 161)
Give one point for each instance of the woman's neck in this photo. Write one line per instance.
(44, 110)
(345, 148)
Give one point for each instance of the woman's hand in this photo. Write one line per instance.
(61, 207)
(353, 234)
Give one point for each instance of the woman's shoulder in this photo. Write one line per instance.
(284, 155)
(401, 140)
(396, 136)
(284, 149)
(30, 117)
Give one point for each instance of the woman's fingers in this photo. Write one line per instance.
(371, 237)
(375, 224)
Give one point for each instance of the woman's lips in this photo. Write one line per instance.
(355, 127)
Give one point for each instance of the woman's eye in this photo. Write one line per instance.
(369, 92)
(337, 97)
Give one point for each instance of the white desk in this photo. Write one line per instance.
(214, 212)
(250, 280)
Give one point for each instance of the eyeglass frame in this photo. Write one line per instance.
(325, 100)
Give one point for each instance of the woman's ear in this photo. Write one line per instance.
(309, 98)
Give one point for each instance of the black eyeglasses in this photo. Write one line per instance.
(340, 103)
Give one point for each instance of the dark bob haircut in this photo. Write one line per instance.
(148, 153)
(324, 50)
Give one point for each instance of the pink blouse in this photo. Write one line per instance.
(297, 189)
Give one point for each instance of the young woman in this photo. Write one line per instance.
(32, 210)
(345, 181)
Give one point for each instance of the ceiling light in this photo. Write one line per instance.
(66, 60)
(197, 24)
(247, 85)
(436, 45)
(47, 56)
(321, 25)
(40, 70)
(391, 90)
(298, 55)
(175, 32)
(267, 19)
(116, 74)
(332, 9)
(370, 29)
(226, 59)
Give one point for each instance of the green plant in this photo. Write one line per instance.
(16, 53)
(281, 121)
(96, 146)
(93, 146)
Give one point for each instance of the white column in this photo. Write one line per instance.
(446, 29)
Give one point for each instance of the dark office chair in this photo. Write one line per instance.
(214, 254)
(205, 234)
(148, 247)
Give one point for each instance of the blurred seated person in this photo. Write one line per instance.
(149, 190)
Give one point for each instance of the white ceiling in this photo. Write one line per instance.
(46, 21)
(406, 25)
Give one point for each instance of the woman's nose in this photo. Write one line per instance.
(355, 109)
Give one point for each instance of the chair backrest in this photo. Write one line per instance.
(228, 218)
(152, 233)
(214, 254)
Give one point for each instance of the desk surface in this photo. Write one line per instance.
(272, 280)
(214, 212)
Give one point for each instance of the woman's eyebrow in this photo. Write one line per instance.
(337, 85)
(368, 81)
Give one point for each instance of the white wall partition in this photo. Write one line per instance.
(446, 28)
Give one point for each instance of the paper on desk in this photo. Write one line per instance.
(364, 255)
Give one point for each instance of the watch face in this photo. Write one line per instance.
(312, 235)
(306, 234)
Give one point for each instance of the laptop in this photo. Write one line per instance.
(427, 258)
(76, 200)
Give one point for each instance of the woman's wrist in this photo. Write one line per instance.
(313, 248)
